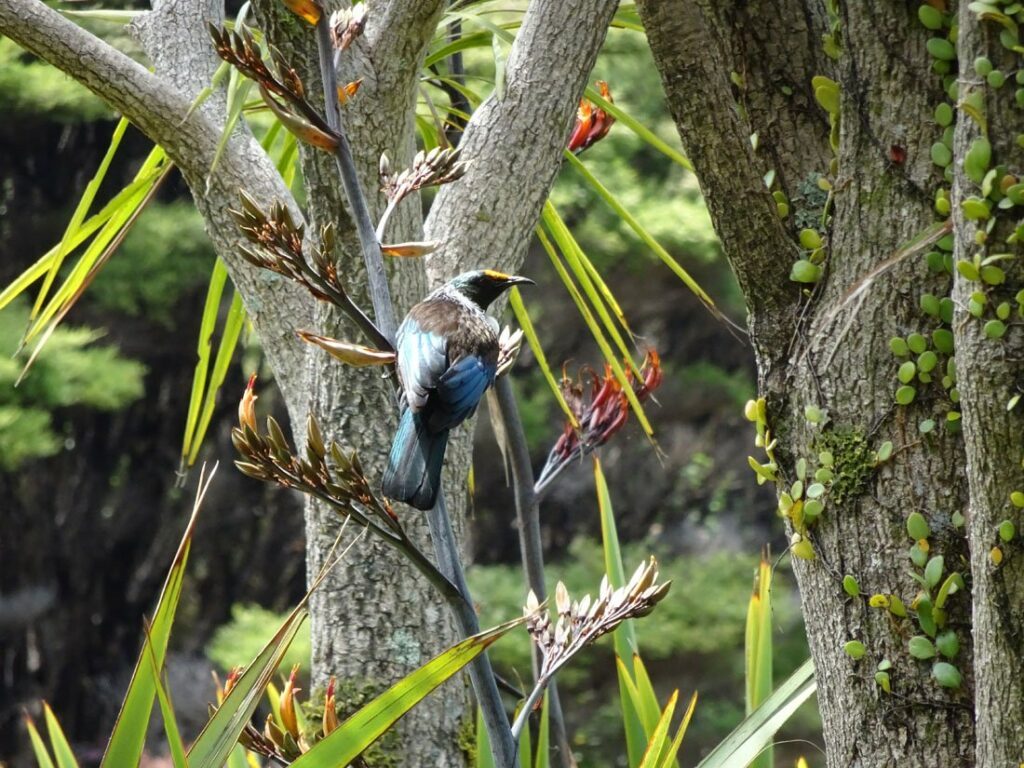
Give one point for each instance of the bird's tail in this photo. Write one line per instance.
(413, 474)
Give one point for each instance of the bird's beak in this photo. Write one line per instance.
(518, 280)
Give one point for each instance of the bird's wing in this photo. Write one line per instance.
(460, 389)
(422, 360)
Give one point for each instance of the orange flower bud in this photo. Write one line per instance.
(330, 710)
(592, 122)
(346, 92)
(307, 10)
(247, 405)
(288, 717)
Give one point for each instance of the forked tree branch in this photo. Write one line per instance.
(515, 141)
(530, 545)
(694, 68)
(159, 110)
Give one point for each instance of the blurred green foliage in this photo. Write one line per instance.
(241, 639)
(705, 382)
(28, 87)
(694, 640)
(663, 196)
(70, 371)
(166, 254)
(705, 610)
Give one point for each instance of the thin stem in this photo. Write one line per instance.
(530, 544)
(400, 541)
(446, 548)
(503, 745)
(524, 714)
(392, 204)
(380, 293)
(542, 487)
(349, 307)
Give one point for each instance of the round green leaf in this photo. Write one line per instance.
(943, 340)
(804, 271)
(940, 48)
(921, 647)
(933, 570)
(992, 274)
(968, 270)
(975, 209)
(917, 343)
(929, 16)
(977, 160)
(941, 154)
(982, 66)
(927, 361)
(943, 112)
(946, 675)
(854, 649)
(994, 329)
(827, 95)
(1007, 530)
(996, 79)
(809, 239)
(905, 395)
(917, 526)
(907, 372)
(930, 304)
(946, 309)
(1017, 498)
(812, 510)
(948, 644)
(918, 556)
(882, 678)
(850, 586)
(898, 347)
(926, 426)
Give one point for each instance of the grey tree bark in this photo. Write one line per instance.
(374, 619)
(735, 69)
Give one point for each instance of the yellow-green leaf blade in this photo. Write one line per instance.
(42, 755)
(126, 741)
(523, 318)
(359, 731)
(756, 731)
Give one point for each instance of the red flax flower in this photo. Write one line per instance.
(601, 412)
(592, 122)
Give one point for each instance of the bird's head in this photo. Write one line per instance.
(485, 285)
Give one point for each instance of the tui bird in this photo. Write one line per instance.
(447, 357)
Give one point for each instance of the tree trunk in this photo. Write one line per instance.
(738, 79)
(375, 619)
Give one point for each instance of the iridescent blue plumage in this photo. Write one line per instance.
(447, 358)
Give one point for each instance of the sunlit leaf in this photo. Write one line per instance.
(58, 741)
(523, 318)
(356, 355)
(358, 732)
(756, 732)
(78, 216)
(128, 737)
